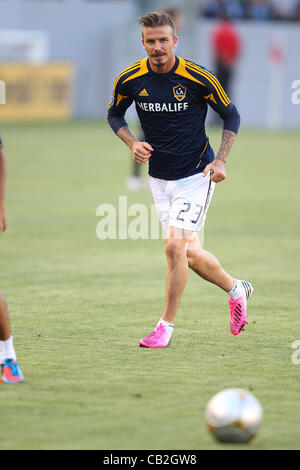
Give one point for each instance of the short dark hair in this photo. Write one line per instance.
(158, 18)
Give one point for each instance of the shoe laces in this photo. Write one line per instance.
(157, 331)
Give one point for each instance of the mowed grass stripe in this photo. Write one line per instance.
(79, 305)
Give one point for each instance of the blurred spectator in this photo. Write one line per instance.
(226, 44)
(285, 9)
(260, 10)
(232, 8)
(210, 8)
(253, 9)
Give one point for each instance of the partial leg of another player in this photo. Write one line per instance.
(208, 267)
(10, 369)
(136, 181)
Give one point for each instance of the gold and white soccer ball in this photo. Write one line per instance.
(234, 415)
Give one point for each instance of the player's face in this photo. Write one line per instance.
(159, 43)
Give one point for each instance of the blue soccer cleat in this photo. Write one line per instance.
(11, 372)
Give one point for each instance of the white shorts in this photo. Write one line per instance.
(183, 203)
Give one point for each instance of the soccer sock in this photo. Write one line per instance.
(237, 290)
(8, 349)
(169, 326)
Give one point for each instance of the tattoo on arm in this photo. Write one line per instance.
(228, 137)
(125, 135)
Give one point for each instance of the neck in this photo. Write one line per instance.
(164, 68)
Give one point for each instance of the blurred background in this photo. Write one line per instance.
(59, 58)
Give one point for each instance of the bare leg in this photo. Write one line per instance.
(4, 320)
(177, 273)
(183, 250)
(207, 266)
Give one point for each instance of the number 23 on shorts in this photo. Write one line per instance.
(190, 213)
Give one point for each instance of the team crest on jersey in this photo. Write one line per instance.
(179, 92)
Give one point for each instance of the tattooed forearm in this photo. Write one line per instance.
(125, 135)
(228, 137)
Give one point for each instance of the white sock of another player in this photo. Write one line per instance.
(169, 326)
(8, 349)
(237, 290)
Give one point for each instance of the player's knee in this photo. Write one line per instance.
(174, 248)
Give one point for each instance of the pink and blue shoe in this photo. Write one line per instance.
(238, 310)
(159, 338)
(11, 372)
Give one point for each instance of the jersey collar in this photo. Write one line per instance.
(163, 74)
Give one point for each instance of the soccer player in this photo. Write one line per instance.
(171, 96)
(10, 369)
(136, 181)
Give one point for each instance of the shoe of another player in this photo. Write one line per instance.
(159, 338)
(11, 372)
(238, 310)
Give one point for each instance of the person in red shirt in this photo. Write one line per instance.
(226, 43)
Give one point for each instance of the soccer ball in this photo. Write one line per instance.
(234, 415)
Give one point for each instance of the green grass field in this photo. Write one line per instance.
(79, 305)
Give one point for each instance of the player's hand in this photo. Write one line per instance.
(141, 151)
(217, 171)
(3, 223)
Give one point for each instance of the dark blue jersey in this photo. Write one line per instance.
(172, 109)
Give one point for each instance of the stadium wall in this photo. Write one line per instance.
(101, 39)
(265, 72)
(79, 33)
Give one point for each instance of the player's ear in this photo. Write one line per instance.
(175, 40)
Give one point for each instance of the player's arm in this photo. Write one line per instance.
(217, 166)
(2, 188)
(219, 101)
(141, 151)
(121, 100)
